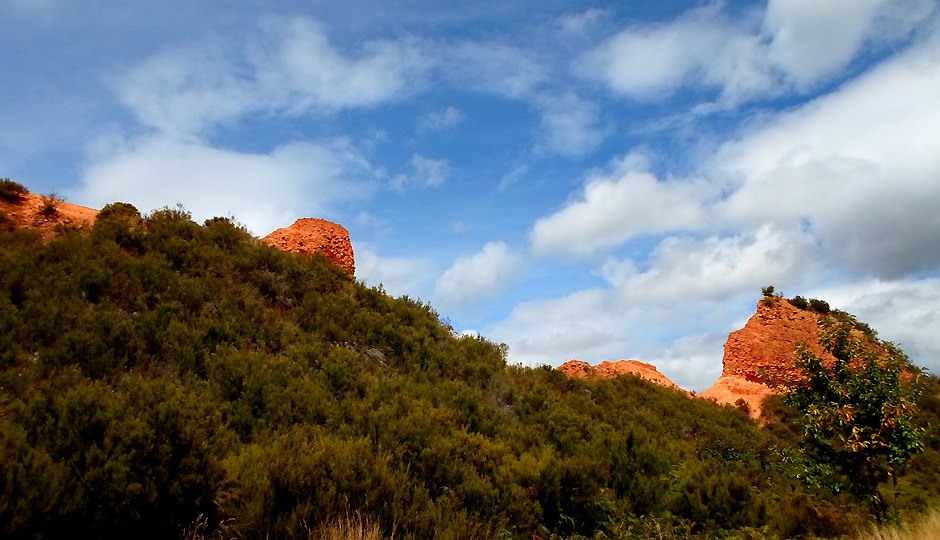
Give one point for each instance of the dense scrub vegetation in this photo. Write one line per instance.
(160, 377)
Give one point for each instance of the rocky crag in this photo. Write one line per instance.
(608, 370)
(755, 356)
(762, 352)
(313, 235)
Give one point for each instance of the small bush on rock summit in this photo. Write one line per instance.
(11, 191)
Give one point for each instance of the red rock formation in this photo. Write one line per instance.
(762, 352)
(609, 370)
(44, 213)
(312, 235)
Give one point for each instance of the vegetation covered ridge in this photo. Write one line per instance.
(163, 378)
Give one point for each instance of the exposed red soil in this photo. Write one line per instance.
(44, 213)
(609, 370)
(313, 235)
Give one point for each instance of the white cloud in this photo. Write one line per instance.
(478, 276)
(617, 207)
(675, 312)
(263, 191)
(600, 324)
(314, 74)
(799, 44)
(491, 67)
(652, 61)
(426, 173)
(443, 119)
(570, 124)
(682, 268)
(906, 312)
(397, 275)
(813, 39)
(577, 23)
(859, 167)
(288, 66)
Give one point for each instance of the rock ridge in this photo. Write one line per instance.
(609, 370)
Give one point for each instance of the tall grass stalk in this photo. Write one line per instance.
(925, 528)
(353, 527)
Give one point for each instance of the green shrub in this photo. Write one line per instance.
(819, 306)
(50, 205)
(799, 302)
(11, 191)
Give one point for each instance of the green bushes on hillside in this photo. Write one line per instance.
(159, 376)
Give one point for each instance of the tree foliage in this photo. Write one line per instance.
(857, 412)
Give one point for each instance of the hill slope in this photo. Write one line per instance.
(160, 377)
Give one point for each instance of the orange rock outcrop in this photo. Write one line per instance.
(609, 370)
(763, 351)
(313, 235)
(44, 213)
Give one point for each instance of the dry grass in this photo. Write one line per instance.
(925, 528)
(349, 528)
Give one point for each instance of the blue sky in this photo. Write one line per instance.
(576, 179)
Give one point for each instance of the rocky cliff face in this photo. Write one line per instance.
(609, 370)
(762, 352)
(312, 235)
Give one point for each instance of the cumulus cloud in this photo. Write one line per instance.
(600, 324)
(858, 167)
(262, 190)
(652, 61)
(613, 208)
(798, 44)
(397, 275)
(812, 39)
(288, 66)
(478, 276)
(713, 268)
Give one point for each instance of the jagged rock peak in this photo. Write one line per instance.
(763, 352)
(609, 370)
(314, 235)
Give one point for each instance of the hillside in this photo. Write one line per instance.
(162, 378)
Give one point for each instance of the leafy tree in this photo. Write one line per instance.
(857, 412)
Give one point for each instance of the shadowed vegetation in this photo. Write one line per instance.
(161, 378)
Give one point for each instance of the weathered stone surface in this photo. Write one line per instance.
(313, 235)
(763, 352)
(609, 370)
